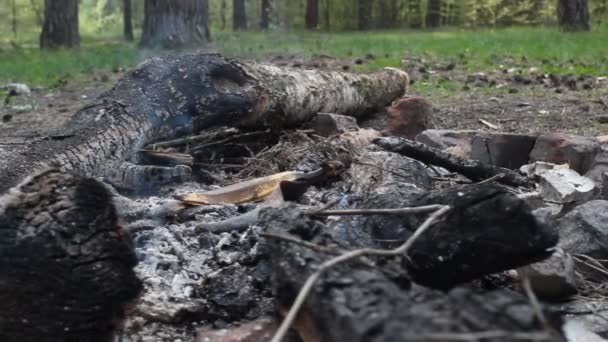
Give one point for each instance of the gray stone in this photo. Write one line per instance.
(502, 149)
(553, 278)
(598, 167)
(328, 124)
(559, 148)
(563, 185)
(584, 230)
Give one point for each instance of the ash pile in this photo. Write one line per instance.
(376, 228)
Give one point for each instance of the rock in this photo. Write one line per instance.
(502, 149)
(16, 88)
(584, 230)
(258, 330)
(577, 331)
(442, 139)
(553, 278)
(565, 186)
(602, 139)
(328, 124)
(599, 166)
(535, 169)
(558, 148)
(408, 117)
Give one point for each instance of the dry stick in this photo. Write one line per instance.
(538, 311)
(297, 304)
(303, 243)
(396, 211)
(204, 137)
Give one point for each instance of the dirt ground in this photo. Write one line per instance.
(516, 99)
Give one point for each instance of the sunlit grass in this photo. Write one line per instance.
(545, 48)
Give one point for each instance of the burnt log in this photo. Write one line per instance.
(472, 169)
(67, 266)
(167, 97)
(356, 302)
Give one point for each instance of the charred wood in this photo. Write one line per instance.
(67, 266)
(354, 302)
(472, 169)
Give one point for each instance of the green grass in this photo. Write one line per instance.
(544, 48)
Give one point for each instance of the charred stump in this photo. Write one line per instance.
(67, 266)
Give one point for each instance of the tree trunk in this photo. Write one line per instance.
(265, 11)
(174, 24)
(433, 13)
(223, 14)
(171, 96)
(364, 14)
(312, 14)
(239, 15)
(573, 15)
(127, 22)
(60, 27)
(14, 17)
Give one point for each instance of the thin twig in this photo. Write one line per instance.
(538, 311)
(299, 301)
(395, 211)
(207, 136)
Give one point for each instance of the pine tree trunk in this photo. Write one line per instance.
(364, 14)
(127, 22)
(239, 15)
(14, 17)
(60, 27)
(312, 14)
(265, 10)
(433, 13)
(573, 15)
(174, 24)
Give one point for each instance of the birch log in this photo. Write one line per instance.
(167, 97)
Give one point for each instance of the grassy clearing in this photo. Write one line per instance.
(545, 48)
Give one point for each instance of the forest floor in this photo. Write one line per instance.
(520, 79)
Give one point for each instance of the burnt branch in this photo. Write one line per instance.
(472, 169)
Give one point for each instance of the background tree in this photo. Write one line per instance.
(573, 15)
(127, 19)
(265, 12)
(174, 24)
(364, 10)
(239, 15)
(433, 13)
(60, 28)
(312, 14)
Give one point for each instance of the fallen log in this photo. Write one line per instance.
(472, 169)
(67, 266)
(167, 97)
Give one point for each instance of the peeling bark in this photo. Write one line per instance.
(171, 96)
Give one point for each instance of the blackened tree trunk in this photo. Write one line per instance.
(239, 15)
(127, 22)
(312, 14)
(265, 11)
(364, 14)
(174, 24)
(433, 13)
(60, 28)
(573, 15)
